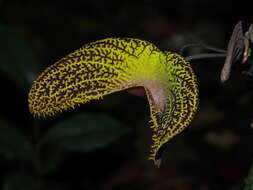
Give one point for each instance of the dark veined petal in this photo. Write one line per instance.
(115, 64)
(179, 107)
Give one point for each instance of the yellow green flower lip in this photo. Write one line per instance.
(116, 64)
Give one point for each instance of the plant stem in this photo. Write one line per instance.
(36, 158)
(212, 48)
(205, 55)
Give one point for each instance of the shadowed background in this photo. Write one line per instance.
(104, 144)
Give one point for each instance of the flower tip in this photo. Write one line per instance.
(158, 162)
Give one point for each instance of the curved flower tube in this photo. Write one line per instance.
(116, 64)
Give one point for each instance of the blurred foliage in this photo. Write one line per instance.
(36, 155)
(249, 180)
(20, 180)
(24, 181)
(91, 147)
(13, 143)
(85, 132)
(17, 58)
(78, 133)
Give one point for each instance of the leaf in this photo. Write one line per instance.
(21, 180)
(13, 143)
(50, 158)
(85, 132)
(16, 57)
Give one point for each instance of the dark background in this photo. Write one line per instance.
(214, 152)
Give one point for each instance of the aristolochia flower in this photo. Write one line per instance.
(116, 64)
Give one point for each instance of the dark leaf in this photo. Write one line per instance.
(16, 57)
(50, 158)
(20, 181)
(13, 143)
(26, 181)
(85, 132)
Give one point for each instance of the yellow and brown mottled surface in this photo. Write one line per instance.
(115, 64)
